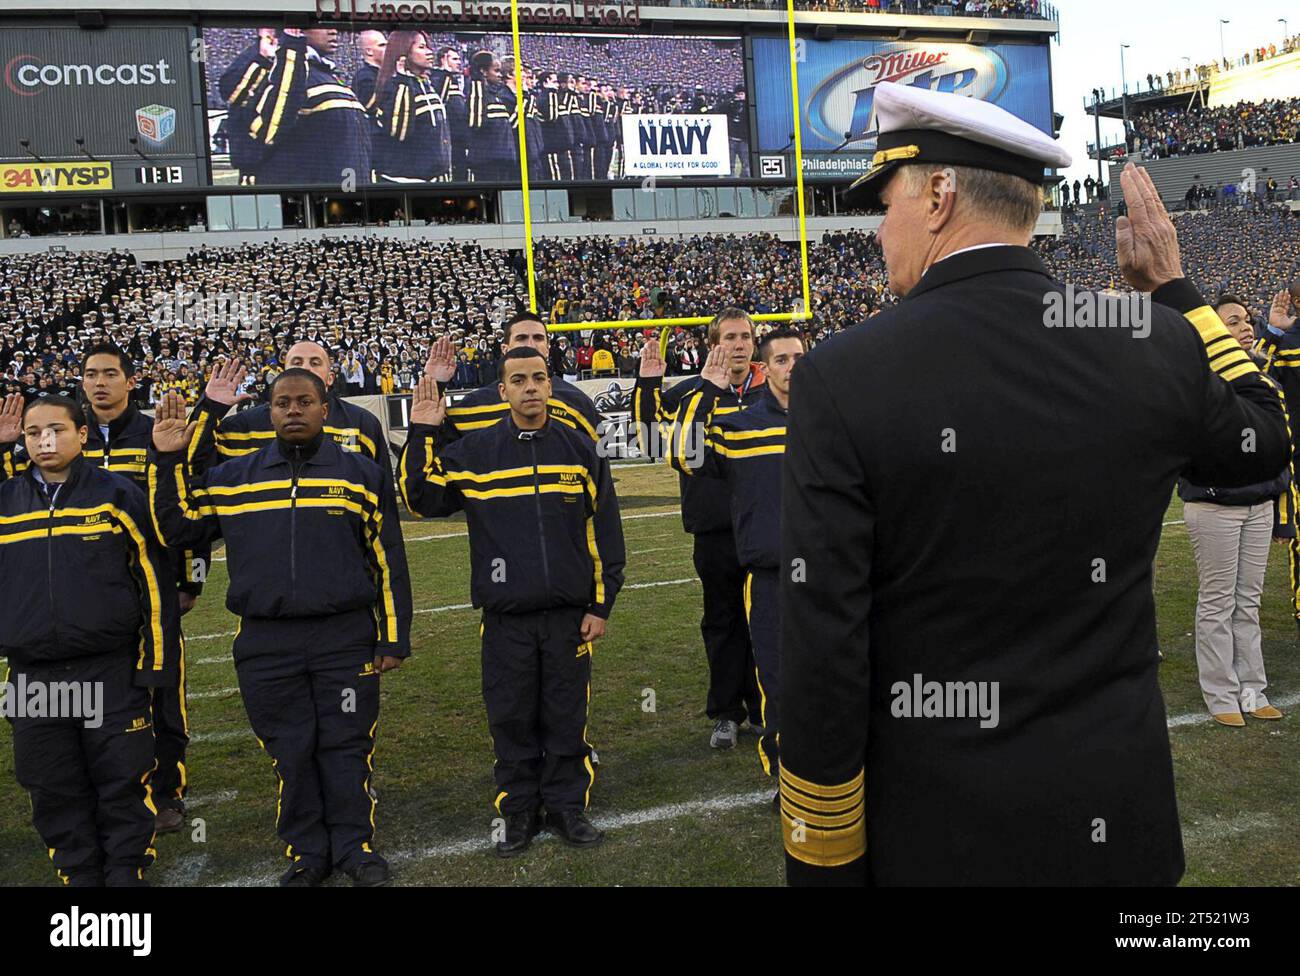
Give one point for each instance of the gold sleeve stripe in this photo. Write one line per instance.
(205, 418)
(824, 848)
(487, 408)
(832, 792)
(823, 806)
(742, 435)
(244, 82)
(826, 821)
(286, 79)
(1244, 369)
(749, 452)
(558, 408)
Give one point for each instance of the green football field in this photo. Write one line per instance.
(675, 811)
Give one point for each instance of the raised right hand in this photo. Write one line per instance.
(1278, 316)
(226, 380)
(652, 362)
(171, 431)
(427, 407)
(715, 368)
(11, 418)
(441, 364)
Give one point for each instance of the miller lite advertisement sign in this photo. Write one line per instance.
(837, 84)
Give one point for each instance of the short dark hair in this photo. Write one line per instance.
(67, 404)
(522, 317)
(784, 332)
(525, 352)
(1229, 299)
(109, 349)
(297, 372)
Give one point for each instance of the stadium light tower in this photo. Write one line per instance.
(1123, 92)
(1096, 118)
(1222, 54)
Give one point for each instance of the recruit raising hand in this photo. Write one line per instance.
(171, 429)
(11, 418)
(441, 364)
(224, 386)
(427, 406)
(1279, 317)
(652, 361)
(715, 368)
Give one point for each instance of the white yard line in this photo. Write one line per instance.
(185, 872)
(219, 693)
(222, 736)
(472, 845)
(210, 799)
(449, 607)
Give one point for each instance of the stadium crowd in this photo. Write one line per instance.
(377, 303)
(360, 92)
(1181, 77)
(1160, 133)
(641, 63)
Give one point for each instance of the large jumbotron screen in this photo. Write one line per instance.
(680, 98)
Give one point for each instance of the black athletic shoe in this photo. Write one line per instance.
(521, 828)
(169, 819)
(304, 875)
(573, 828)
(369, 874)
(125, 878)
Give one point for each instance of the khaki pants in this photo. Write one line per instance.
(1231, 547)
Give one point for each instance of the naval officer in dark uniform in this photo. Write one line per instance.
(972, 496)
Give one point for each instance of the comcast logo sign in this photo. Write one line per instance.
(27, 75)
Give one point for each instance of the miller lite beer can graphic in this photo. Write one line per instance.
(155, 123)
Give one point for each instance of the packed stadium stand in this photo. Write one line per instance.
(377, 304)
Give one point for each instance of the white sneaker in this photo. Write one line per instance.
(724, 734)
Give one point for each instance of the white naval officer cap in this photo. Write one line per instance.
(916, 125)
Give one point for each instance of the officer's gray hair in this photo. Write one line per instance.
(998, 198)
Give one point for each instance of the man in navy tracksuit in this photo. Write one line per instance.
(745, 448)
(546, 562)
(89, 622)
(733, 693)
(318, 578)
(221, 435)
(117, 440)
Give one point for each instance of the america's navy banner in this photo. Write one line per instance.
(838, 78)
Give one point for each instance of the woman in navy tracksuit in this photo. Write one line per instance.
(89, 621)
